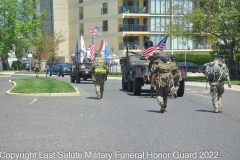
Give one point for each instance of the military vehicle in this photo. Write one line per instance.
(135, 72)
(81, 70)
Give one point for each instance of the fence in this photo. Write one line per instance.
(114, 65)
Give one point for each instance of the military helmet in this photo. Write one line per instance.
(173, 59)
(164, 59)
(98, 55)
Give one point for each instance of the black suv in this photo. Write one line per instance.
(60, 70)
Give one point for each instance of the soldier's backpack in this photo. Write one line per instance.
(215, 72)
(100, 67)
(175, 71)
(162, 78)
(154, 64)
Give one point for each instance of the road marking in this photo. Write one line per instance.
(199, 95)
(35, 99)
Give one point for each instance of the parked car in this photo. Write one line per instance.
(202, 69)
(60, 70)
(191, 67)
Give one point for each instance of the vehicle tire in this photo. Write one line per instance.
(130, 84)
(84, 79)
(137, 86)
(180, 92)
(72, 79)
(62, 75)
(58, 74)
(78, 78)
(124, 84)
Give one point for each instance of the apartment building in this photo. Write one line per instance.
(122, 22)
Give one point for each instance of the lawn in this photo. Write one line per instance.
(203, 79)
(28, 72)
(41, 85)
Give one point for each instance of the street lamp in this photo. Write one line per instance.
(112, 57)
(184, 43)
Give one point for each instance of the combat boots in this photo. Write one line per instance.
(151, 91)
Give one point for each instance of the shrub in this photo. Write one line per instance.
(17, 65)
(198, 59)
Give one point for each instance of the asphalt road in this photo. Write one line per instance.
(119, 126)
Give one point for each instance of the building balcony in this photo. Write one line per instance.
(132, 10)
(133, 28)
(80, 16)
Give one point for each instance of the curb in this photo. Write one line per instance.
(8, 93)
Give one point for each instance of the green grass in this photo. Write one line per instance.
(28, 72)
(41, 85)
(203, 79)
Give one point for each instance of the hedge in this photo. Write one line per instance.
(17, 65)
(198, 59)
(115, 73)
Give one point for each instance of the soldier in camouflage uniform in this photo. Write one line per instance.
(154, 60)
(36, 66)
(162, 76)
(99, 72)
(215, 73)
(176, 78)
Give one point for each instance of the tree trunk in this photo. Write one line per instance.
(5, 62)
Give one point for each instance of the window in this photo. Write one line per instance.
(51, 6)
(159, 6)
(156, 38)
(105, 26)
(158, 24)
(105, 8)
(52, 22)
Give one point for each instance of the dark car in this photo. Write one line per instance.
(60, 70)
(191, 67)
(202, 69)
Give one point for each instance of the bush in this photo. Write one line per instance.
(238, 56)
(115, 73)
(198, 59)
(17, 65)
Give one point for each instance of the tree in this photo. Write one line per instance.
(18, 23)
(216, 19)
(46, 46)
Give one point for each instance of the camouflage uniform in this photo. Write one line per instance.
(176, 77)
(36, 68)
(99, 79)
(215, 73)
(163, 76)
(151, 67)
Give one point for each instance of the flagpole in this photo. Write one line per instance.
(81, 48)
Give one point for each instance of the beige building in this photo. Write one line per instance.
(122, 22)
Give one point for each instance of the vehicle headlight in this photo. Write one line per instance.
(83, 67)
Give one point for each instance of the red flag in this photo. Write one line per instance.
(92, 49)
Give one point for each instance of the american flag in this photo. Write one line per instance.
(95, 31)
(92, 49)
(149, 51)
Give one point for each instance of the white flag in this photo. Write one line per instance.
(83, 49)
